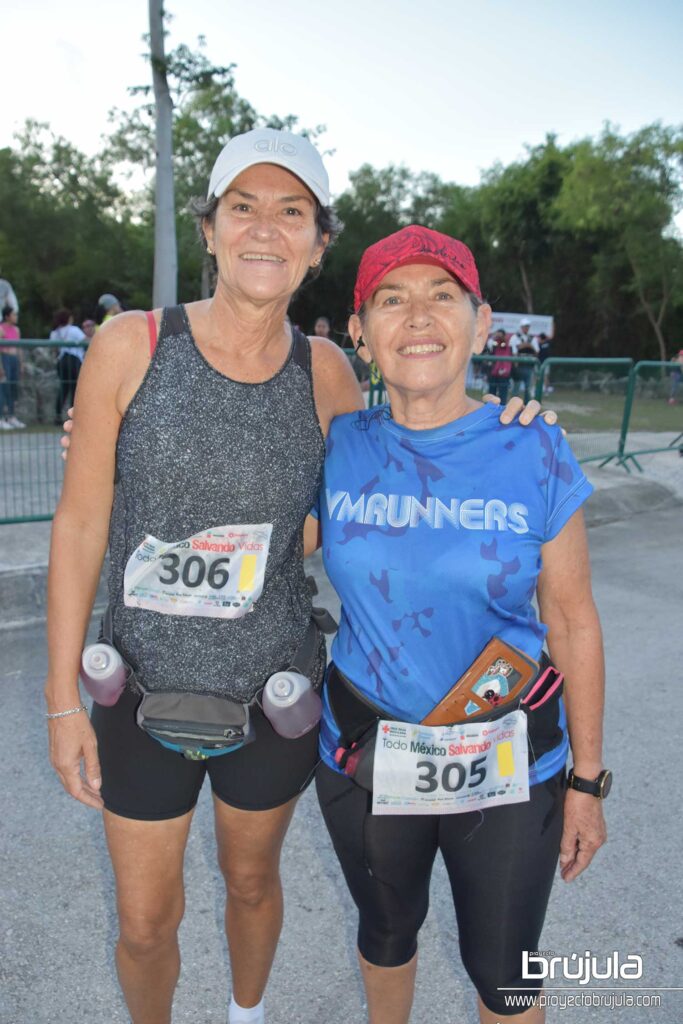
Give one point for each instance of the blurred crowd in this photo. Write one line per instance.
(74, 339)
(504, 374)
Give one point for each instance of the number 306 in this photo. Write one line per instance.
(194, 571)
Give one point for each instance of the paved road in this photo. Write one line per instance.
(58, 921)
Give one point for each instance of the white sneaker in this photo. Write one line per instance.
(4, 424)
(14, 422)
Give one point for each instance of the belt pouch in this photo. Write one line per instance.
(357, 719)
(191, 723)
(192, 720)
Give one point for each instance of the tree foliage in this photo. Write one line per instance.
(67, 231)
(620, 194)
(583, 232)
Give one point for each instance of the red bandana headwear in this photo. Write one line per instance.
(414, 244)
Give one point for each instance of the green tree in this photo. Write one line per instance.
(621, 194)
(514, 204)
(376, 203)
(207, 112)
(67, 231)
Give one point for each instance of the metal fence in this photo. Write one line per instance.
(31, 467)
(615, 411)
(481, 378)
(589, 396)
(651, 437)
(652, 413)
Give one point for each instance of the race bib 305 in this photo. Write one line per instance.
(446, 769)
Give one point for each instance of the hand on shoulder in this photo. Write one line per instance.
(515, 409)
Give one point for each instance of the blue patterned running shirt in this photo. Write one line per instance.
(432, 539)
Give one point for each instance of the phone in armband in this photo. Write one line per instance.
(495, 682)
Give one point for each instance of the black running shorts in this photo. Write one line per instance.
(142, 779)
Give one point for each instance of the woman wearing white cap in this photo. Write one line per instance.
(199, 436)
(213, 421)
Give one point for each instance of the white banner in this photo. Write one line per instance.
(509, 322)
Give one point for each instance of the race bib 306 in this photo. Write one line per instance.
(218, 573)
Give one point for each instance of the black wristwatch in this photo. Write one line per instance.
(599, 787)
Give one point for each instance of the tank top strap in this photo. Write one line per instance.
(173, 321)
(301, 350)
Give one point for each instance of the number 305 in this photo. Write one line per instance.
(453, 776)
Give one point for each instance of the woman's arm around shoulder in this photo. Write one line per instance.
(335, 387)
(336, 391)
(565, 600)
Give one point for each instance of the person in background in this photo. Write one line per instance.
(108, 307)
(69, 358)
(523, 344)
(7, 296)
(545, 350)
(499, 370)
(322, 328)
(545, 347)
(11, 369)
(676, 375)
(89, 327)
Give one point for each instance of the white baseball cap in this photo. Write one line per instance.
(525, 322)
(269, 146)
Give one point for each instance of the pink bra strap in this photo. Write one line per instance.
(152, 328)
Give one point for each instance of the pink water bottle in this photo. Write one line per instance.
(290, 704)
(103, 673)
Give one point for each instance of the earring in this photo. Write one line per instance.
(211, 252)
(316, 262)
(360, 344)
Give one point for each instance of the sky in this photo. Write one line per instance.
(438, 85)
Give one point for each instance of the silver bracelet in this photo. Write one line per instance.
(71, 711)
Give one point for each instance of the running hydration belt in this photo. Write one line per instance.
(200, 726)
(357, 718)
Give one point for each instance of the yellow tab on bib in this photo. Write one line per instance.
(506, 760)
(247, 573)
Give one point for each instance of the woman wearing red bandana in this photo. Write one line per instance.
(438, 528)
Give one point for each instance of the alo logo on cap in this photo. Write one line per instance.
(274, 146)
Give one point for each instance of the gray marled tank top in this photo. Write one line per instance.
(197, 450)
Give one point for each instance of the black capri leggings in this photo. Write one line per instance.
(500, 862)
